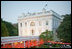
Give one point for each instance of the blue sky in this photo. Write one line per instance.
(10, 10)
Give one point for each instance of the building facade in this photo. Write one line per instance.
(33, 24)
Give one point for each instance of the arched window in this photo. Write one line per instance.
(32, 24)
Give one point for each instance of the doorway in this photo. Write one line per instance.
(32, 32)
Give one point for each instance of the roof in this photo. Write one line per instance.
(51, 12)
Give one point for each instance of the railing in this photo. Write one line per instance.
(17, 39)
(32, 43)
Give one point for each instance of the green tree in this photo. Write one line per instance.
(4, 31)
(64, 30)
(47, 35)
(11, 29)
(7, 29)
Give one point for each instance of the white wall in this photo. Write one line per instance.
(26, 30)
(53, 23)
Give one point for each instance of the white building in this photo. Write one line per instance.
(33, 24)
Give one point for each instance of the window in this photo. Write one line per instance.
(46, 22)
(32, 24)
(25, 24)
(20, 24)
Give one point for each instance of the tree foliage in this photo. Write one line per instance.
(64, 30)
(7, 29)
(47, 35)
(4, 31)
